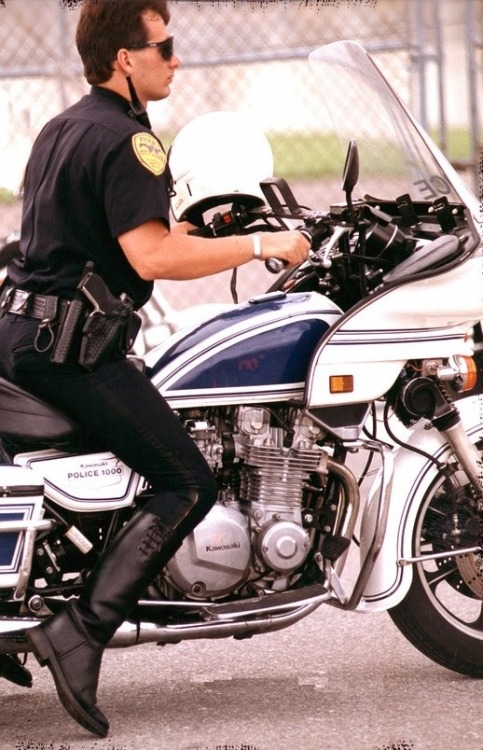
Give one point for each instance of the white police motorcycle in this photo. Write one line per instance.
(340, 413)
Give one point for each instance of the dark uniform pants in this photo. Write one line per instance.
(119, 404)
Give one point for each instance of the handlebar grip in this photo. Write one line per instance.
(275, 265)
(206, 231)
(305, 233)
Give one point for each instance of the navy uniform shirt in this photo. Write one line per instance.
(94, 173)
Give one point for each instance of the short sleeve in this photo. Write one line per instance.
(136, 185)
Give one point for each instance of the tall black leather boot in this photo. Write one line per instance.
(12, 669)
(71, 643)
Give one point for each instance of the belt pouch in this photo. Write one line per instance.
(67, 331)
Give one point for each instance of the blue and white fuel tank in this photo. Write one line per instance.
(252, 352)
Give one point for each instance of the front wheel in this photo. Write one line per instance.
(442, 613)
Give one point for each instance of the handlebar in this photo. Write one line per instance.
(314, 228)
(362, 236)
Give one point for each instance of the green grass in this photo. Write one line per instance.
(313, 155)
(458, 143)
(7, 198)
(309, 156)
(306, 156)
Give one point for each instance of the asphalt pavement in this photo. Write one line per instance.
(335, 681)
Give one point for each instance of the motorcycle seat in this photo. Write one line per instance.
(26, 417)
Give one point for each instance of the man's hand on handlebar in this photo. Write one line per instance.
(290, 247)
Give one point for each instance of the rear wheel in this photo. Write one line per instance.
(442, 614)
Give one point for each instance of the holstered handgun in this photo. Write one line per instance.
(108, 322)
(93, 321)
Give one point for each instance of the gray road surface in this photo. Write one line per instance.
(336, 681)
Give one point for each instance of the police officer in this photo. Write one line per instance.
(97, 189)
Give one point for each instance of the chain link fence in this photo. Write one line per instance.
(251, 57)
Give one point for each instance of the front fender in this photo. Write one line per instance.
(413, 475)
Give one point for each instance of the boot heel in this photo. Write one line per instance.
(40, 645)
(66, 668)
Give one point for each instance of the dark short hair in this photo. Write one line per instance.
(105, 26)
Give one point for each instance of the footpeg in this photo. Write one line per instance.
(268, 603)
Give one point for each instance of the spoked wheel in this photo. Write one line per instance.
(442, 613)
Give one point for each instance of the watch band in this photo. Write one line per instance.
(257, 246)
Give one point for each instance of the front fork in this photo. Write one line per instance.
(466, 453)
(423, 397)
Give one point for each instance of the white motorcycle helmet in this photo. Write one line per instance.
(215, 159)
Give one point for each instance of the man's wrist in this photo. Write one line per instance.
(257, 246)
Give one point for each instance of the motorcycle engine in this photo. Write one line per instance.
(255, 531)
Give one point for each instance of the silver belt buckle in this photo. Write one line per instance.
(18, 302)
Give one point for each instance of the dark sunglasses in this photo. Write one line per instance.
(166, 48)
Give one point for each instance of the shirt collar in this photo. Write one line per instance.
(128, 107)
(112, 96)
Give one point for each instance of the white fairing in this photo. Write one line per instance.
(426, 318)
(413, 475)
(421, 319)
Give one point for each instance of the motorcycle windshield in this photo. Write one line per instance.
(396, 155)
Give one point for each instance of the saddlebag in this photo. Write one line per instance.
(21, 497)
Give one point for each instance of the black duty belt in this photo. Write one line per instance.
(69, 329)
(38, 306)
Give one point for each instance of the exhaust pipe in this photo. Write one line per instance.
(13, 640)
(130, 635)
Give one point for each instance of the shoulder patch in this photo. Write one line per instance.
(149, 152)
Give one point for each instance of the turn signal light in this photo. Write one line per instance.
(467, 371)
(341, 383)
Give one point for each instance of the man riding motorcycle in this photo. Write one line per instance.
(96, 217)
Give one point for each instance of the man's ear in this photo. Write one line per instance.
(124, 61)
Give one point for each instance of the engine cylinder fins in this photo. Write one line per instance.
(271, 474)
(270, 456)
(272, 489)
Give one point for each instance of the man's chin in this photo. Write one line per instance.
(164, 93)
